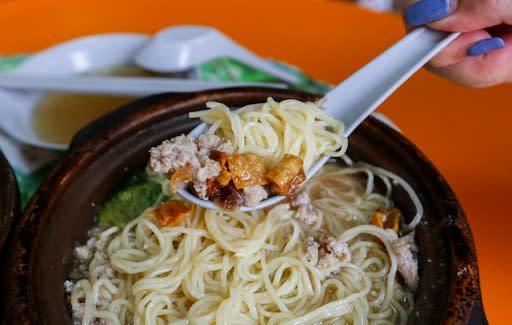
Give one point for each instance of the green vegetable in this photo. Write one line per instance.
(127, 204)
(29, 184)
(227, 69)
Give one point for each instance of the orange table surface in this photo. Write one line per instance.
(465, 132)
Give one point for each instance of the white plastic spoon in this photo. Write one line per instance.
(360, 94)
(184, 47)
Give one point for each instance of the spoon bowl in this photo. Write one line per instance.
(184, 47)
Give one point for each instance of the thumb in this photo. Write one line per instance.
(459, 15)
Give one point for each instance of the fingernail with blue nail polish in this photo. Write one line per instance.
(427, 11)
(485, 46)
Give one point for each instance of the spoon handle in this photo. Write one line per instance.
(242, 54)
(121, 86)
(360, 94)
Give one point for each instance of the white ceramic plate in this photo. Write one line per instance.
(74, 57)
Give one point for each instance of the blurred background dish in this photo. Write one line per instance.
(104, 154)
(50, 120)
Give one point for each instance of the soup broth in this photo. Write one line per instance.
(58, 116)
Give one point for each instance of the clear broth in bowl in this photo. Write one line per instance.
(58, 116)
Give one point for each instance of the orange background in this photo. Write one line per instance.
(466, 132)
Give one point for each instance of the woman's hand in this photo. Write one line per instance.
(482, 55)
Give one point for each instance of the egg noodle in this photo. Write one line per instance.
(274, 129)
(249, 268)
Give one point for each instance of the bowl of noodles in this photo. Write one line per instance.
(376, 237)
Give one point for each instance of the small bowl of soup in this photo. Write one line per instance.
(50, 120)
